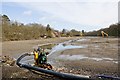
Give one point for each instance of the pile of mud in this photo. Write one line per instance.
(7, 60)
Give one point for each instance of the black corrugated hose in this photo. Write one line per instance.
(58, 74)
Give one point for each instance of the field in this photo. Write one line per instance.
(88, 56)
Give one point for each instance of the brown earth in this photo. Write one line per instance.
(15, 48)
(96, 47)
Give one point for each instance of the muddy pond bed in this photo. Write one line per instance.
(87, 56)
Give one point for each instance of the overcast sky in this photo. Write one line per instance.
(85, 15)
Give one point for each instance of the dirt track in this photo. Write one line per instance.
(95, 48)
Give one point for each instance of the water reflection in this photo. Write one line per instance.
(81, 57)
(63, 46)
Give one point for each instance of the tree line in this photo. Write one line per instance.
(112, 30)
(18, 31)
(13, 30)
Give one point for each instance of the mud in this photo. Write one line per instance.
(14, 49)
(87, 56)
(99, 56)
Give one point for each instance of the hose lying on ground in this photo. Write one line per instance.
(58, 74)
(108, 77)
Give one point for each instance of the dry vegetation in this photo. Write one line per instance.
(13, 30)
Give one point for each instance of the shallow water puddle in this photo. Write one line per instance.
(67, 45)
(64, 46)
(61, 46)
(54, 48)
(73, 57)
(79, 40)
(80, 57)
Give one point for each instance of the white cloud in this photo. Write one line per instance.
(43, 18)
(28, 13)
(60, 1)
(80, 13)
(99, 14)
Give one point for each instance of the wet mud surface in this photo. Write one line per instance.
(86, 56)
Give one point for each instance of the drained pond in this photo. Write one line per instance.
(55, 49)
